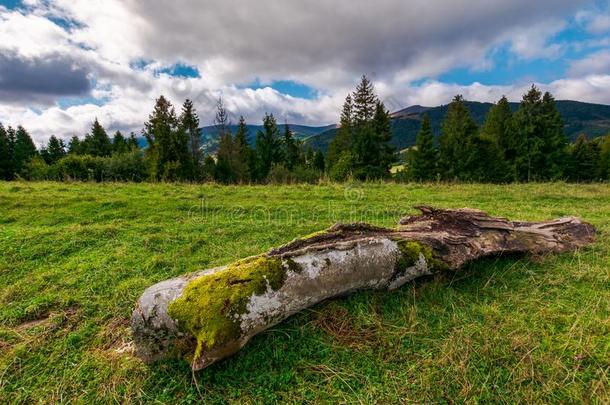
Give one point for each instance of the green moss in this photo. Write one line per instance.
(210, 306)
(293, 266)
(410, 251)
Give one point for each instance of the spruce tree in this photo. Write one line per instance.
(268, 145)
(318, 161)
(74, 146)
(245, 161)
(119, 143)
(189, 121)
(290, 149)
(23, 150)
(603, 166)
(6, 172)
(343, 141)
(224, 165)
(98, 142)
(553, 154)
(167, 151)
(424, 156)
(497, 126)
(527, 127)
(364, 103)
(132, 142)
(457, 133)
(56, 149)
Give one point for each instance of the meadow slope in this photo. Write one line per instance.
(75, 257)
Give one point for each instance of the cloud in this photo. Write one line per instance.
(40, 79)
(79, 47)
(596, 63)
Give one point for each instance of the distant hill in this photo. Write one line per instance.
(591, 119)
(209, 134)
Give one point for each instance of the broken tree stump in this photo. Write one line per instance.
(210, 315)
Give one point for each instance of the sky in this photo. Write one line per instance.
(64, 63)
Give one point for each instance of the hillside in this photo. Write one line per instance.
(592, 119)
(209, 137)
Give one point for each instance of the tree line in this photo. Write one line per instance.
(527, 145)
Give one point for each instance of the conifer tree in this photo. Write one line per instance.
(56, 149)
(6, 170)
(497, 126)
(318, 161)
(268, 145)
(424, 156)
(132, 142)
(603, 166)
(457, 133)
(167, 150)
(343, 141)
(189, 121)
(224, 172)
(23, 150)
(526, 130)
(364, 103)
(245, 161)
(74, 146)
(551, 162)
(97, 141)
(119, 143)
(290, 149)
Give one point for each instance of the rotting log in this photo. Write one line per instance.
(209, 315)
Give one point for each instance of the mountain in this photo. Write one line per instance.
(578, 117)
(209, 134)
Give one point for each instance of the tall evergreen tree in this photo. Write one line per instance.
(245, 160)
(225, 158)
(167, 150)
(551, 162)
(74, 146)
(56, 149)
(364, 103)
(583, 160)
(97, 141)
(23, 150)
(424, 156)
(497, 126)
(6, 167)
(290, 149)
(343, 141)
(119, 143)
(190, 123)
(268, 146)
(132, 142)
(457, 133)
(603, 166)
(318, 161)
(526, 130)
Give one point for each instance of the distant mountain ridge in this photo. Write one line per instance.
(209, 134)
(579, 117)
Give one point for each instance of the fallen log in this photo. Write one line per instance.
(209, 315)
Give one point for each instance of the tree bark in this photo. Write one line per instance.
(210, 315)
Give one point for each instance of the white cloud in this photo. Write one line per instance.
(596, 63)
(327, 45)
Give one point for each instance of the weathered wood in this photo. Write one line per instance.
(211, 314)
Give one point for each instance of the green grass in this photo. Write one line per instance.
(75, 257)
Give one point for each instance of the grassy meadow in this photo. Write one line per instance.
(75, 257)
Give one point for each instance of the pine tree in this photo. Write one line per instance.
(245, 161)
(56, 149)
(23, 150)
(98, 143)
(583, 160)
(119, 143)
(224, 165)
(365, 101)
(190, 123)
(424, 156)
(318, 161)
(603, 166)
(290, 149)
(74, 146)
(457, 133)
(268, 145)
(167, 150)
(343, 141)
(6, 170)
(553, 154)
(527, 126)
(497, 126)
(132, 142)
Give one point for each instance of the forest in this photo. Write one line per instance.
(522, 146)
